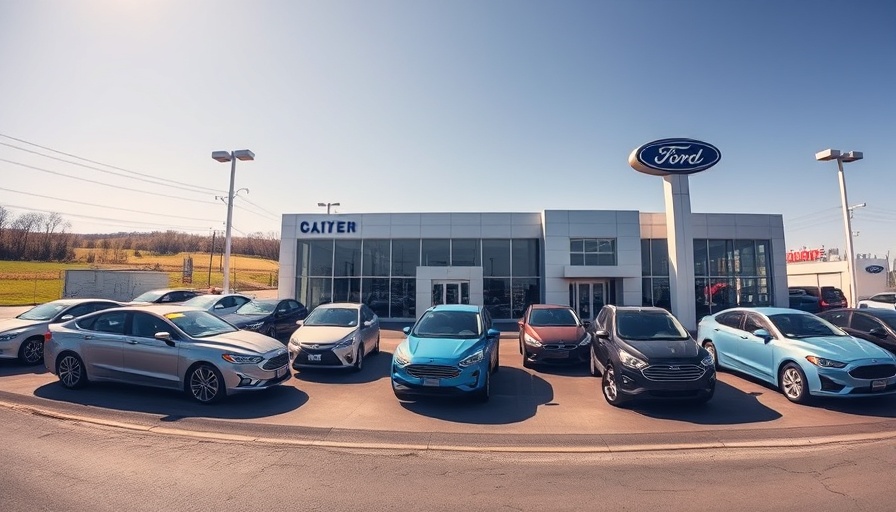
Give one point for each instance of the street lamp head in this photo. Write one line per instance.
(244, 154)
(322, 205)
(852, 156)
(335, 204)
(827, 154)
(221, 156)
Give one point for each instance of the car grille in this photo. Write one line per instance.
(673, 372)
(560, 346)
(432, 371)
(276, 362)
(873, 371)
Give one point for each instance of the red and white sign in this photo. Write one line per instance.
(804, 255)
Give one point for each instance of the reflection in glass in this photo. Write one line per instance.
(321, 260)
(496, 258)
(376, 295)
(496, 297)
(525, 257)
(525, 293)
(347, 258)
(405, 257)
(376, 258)
(403, 298)
(465, 253)
(436, 253)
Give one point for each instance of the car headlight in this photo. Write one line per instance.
(708, 361)
(346, 342)
(254, 327)
(240, 359)
(401, 356)
(8, 335)
(294, 342)
(586, 340)
(531, 341)
(824, 363)
(471, 359)
(630, 360)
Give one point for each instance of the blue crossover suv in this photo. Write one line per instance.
(451, 350)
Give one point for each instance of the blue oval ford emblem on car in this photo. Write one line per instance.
(674, 156)
(874, 269)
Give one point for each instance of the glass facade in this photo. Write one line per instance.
(731, 273)
(655, 273)
(382, 273)
(592, 251)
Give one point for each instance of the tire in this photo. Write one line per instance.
(793, 383)
(401, 396)
(376, 348)
(525, 353)
(31, 351)
(497, 359)
(205, 384)
(272, 332)
(609, 387)
(484, 394)
(71, 371)
(711, 348)
(593, 360)
(359, 359)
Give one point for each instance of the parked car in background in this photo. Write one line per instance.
(452, 349)
(876, 325)
(886, 300)
(274, 317)
(335, 335)
(800, 353)
(165, 296)
(805, 302)
(218, 304)
(829, 297)
(646, 352)
(173, 347)
(22, 337)
(553, 334)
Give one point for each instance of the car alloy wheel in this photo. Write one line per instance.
(610, 387)
(793, 383)
(711, 348)
(71, 371)
(486, 391)
(206, 384)
(359, 358)
(32, 351)
(272, 332)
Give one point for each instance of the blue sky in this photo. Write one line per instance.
(425, 106)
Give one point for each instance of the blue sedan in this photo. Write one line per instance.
(451, 350)
(799, 352)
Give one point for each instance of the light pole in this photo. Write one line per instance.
(849, 156)
(232, 157)
(327, 205)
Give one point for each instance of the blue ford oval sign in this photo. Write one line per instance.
(674, 156)
(874, 269)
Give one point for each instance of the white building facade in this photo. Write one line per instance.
(400, 264)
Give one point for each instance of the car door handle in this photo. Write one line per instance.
(133, 342)
(717, 329)
(743, 337)
(89, 336)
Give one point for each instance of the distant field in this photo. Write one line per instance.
(32, 282)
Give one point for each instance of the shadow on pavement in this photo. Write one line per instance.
(14, 367)
(729, 406)
(515, 397)
(376, 366)
(174, 405)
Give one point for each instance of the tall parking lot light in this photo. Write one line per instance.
(849, 156)
(327, 205)
(232, 157)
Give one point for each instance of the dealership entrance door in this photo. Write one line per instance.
(587, 297)
(450, 292)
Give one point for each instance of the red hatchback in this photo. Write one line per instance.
(553, 334)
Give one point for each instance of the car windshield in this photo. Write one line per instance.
(199, 324)
(649, 325)
(890, 320)
(333, 317)
(257, 307)
(43, 312)
(556, 317)
(202, 301)
(449, 324)
(150, 296)
(794, 325)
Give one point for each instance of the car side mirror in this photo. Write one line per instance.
(586, 323)
(879, 332)
(368, 323)
(520, 323)
(762, 333)
(493, 333)
(63, 318)
(406, 330)
(602, 333)
(300, 322)
(219, 306)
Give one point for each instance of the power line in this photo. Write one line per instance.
(260, 208)
(201, 188)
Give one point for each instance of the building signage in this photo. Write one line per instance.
(804, 255)
(674, 156)
(328, 226)
(874, 269)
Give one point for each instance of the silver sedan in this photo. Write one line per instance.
(336, 335)
(173, 347)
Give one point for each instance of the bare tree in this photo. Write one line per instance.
(24, 225)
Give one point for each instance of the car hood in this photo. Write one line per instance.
(440, 348)
(664, 349)
(840, 348)
(244, 320)
(549, 334)
(321, 333)
(242, 340)
(11, 324)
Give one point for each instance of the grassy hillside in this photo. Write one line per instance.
(27, 282)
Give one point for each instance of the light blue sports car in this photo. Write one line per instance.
(798, 352)
(451, 350)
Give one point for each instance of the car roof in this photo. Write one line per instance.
(159, 309)
(767, 311)
(550, 306)
(876, 312)
(71, 302)
(471, 308)
(347, 305)
(648, 309)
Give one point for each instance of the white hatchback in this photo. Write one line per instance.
(885, 300)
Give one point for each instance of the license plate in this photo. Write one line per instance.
(314, 357)
(430, 382)
(560, 354)
(878, 385)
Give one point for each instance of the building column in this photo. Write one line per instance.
(680, 238)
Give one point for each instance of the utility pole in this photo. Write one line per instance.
(211, 255)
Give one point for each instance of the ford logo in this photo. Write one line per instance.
(874, 269)
(674, 156)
